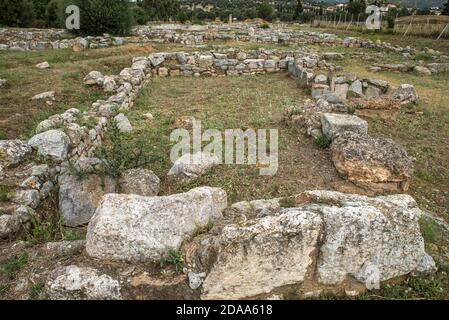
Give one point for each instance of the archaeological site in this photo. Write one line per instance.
(210, 153)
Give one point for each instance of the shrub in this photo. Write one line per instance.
(175, 258)
(139, 15)
(124, 152)
(265, 25)
(104, 16)
(17, 13)
(53, 14)
(323, 142)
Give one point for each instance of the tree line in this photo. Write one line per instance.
(117, 16)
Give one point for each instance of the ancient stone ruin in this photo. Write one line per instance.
(322, 241)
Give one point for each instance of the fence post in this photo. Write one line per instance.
(445, 28)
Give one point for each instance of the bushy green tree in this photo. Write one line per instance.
(17, 13)
(104, 16)
(299, 9)
(446, 8)
(139, 15)
(265, 11)
(54, 14)
(161, 9)
(356, 6)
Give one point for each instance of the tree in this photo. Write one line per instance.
(446, 8)
(356, 6)
(103, 16)
(17, 13)
(161, 9)
(265, 11)
(139, 15)
(53, 14)
(299, 9)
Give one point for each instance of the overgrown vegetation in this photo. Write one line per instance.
(124, 152)
(322, 141)
(10, 267)
(174, 258)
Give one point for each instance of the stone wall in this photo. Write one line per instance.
(41, 39)
(72, 135)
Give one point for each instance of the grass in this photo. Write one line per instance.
(4, 193)
(322, 141)
(36, 291)
(9, 268)
(229, 103)
(174, 258)
(19, 115)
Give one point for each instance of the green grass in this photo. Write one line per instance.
(4, 289)
(323, 142)
(174, 258)
(9, 268)
(36, 291)
(5, 192)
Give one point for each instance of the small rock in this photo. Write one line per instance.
(66, 247)
(335, 124)
(43, 65)
(355, 89)
(3, 83)
(94, 77)
(195, 280)
(405, 94)
(190, 167)
(9, 225)
(28, 198)
(123, 123)
(109, 84)
(139, 181)
(49, 96)
(77, 283)
(13, 152)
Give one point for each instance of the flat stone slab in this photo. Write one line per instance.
(335, 124)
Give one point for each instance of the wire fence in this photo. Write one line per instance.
(424, 26)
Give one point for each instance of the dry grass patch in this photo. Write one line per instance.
(229, 103)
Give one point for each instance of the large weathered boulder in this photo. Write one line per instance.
(330, 241)
(405, 94)
(81, 188)
(190, 167)
(370, 239)
(80, 283)
(267, 254)
(52, 143)
(139, 181)
(334, 124)
(375, 163)
(136, 228)
(12, 152)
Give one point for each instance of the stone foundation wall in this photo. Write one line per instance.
(66, 137)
